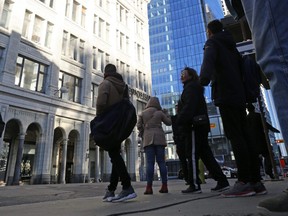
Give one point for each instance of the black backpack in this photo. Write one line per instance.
(251, 74)
(114, 125)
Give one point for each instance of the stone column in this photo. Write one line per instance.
(132, 155)
(63, 162)
(17, 170)
(97, 164)
(47, 150)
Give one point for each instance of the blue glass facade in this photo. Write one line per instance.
(177, 32)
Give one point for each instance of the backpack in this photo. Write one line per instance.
(251, 75)
(114, 125)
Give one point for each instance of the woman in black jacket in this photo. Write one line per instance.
(193, 106)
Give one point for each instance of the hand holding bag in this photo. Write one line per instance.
(114, 125)
(200, 120)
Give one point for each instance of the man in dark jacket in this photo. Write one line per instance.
(221, 67)
(111, 91)
(192, 104)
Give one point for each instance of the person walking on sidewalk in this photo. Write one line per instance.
(150, 125)
(110, 91)
(192, 104)
(221, 67)
(268, 23)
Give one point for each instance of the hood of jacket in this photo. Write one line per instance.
(153, 102)
(117, 82)
(225, 38)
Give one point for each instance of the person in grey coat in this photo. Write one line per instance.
(150, 125)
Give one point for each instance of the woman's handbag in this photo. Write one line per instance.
(200, 120)
(114, 125)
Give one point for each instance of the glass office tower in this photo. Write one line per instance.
(177, 32)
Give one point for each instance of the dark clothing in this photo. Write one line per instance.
(256, 132)
(199, 149)
(221, 67)
(175, 130)
(192, 154)
(196, 138)
(118, 170)
(208, 158)
(179, 141)
(235, 127)
(192, 104)
(257, 137)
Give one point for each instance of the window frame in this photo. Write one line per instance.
(74, 88)
(41, 74)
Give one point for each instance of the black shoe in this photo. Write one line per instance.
(259, 188)
(191, 189)
(221, 186)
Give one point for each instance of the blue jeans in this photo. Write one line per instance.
(155, 152)
(268, 23)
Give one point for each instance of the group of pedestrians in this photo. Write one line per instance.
(220, 69)
(192, 140)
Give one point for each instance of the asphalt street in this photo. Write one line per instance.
(86, 200)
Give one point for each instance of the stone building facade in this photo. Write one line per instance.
(52, 56)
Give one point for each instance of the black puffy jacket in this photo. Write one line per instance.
(221, 67)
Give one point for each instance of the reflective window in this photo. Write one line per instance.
(48, 36)
(94, 94)
(37, 29)
(30, 74)
(6, 13)
(26, 24)
(73, 86)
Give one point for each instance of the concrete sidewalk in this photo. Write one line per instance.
(86, 200)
